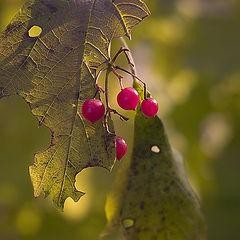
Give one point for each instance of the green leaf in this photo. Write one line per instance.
(151, 197)
(54, 73)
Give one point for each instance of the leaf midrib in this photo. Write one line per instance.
(76, 102)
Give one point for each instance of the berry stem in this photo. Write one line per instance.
(99, 88)
(106, 85)
(133, 75)
(117, 113)
(122, 50)
(109, 109)
(118, 76)
(106, 124)
(133, 67)
(128, 59)
(107, 114)
(99, 73)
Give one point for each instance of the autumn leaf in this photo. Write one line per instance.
(151, 197)
(54, 73)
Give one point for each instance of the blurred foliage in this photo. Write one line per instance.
(188, 53)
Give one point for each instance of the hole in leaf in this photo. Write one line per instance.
(155, 149)
(35, 31)
(127, 223)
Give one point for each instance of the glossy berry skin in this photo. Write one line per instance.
(149, 107)
(93, 110)
(128, 99)
(121, 147)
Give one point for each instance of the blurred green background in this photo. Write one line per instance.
(188, 52)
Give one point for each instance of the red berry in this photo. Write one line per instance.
(93, 110)
(128, 99)
(121, 147)
(149, 107)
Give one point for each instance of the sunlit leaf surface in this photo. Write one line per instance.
(48, 55)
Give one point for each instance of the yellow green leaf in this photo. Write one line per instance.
(151, 197)
(49, 54)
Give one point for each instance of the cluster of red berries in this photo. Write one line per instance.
(128, 99)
